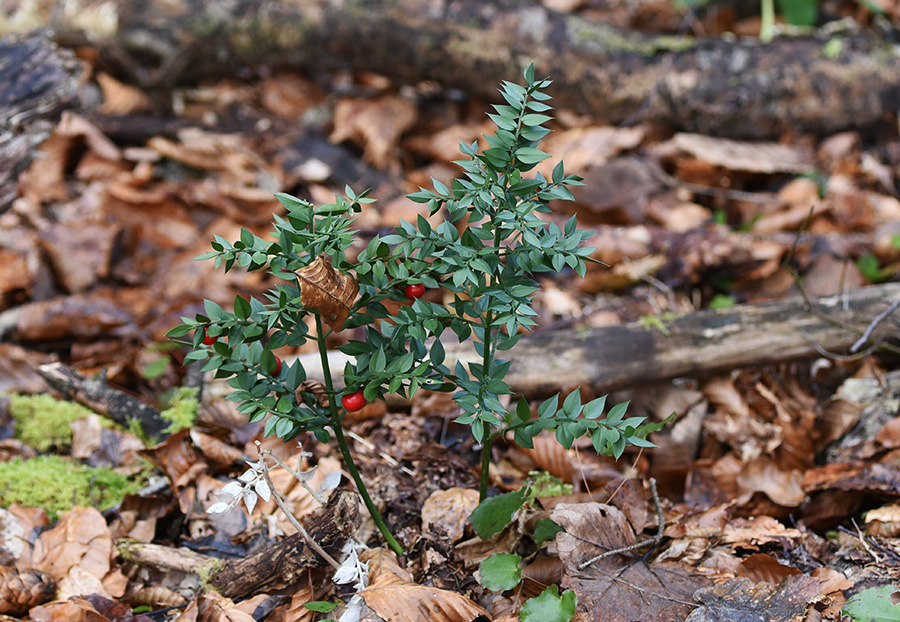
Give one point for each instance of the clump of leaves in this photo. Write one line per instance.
(486, 255)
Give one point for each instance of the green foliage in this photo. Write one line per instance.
(501, 572)
(550, 606)
(489, 271)
(42, 422)
(873, 605)
(722, 301)
(182, 410)
(322, 606)
(492, 515)
(547, 485)
(57, 485)
(871, 268)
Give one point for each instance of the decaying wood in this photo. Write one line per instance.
(742, 88)
(694, 345)
(282, 562)
(95, 394)
(37, 81)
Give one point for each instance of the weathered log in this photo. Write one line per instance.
(694, 345)
(742, 88)
(37, 81)
(282, 562)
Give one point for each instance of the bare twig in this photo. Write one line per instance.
(874, 324)
(637, 545)
(282, 505)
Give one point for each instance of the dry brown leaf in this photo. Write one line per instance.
(177, 458)
(120, 98)
(549, 455)
(763, 568)
(296, 612)
(584, 147)
(743, 599)
(383, 560)
(327, 291)
(756, 157)
(156, 597)
(375, 124)
(80, 539)
(74, 610)
(448, 510)
(763, 475)
(396, 600)
(622, 587)
(214, 450)
(750, 533)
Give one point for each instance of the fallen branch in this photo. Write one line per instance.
(702, 343)
(95, 394)
(741, 88)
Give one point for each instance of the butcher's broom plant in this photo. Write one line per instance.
(485, 255)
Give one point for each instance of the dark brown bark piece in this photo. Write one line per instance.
(37, 81)
(742, 88)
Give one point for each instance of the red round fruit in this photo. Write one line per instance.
(353, 401)
(207, 340)
(413, 291)
(277, 365)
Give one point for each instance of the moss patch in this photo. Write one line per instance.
(57, 485)
(182, 410)
(42, 422)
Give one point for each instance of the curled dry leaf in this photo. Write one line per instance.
(317, 389)
(327, 291)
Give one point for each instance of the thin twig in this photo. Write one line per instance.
(637, 545)
(282, 505)
(299, 477)
(874, 324)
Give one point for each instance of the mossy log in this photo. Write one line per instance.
(740, 88)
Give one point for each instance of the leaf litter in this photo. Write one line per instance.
(779, 483)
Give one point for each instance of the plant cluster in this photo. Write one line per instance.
(485, 256)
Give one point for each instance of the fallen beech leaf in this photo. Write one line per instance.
(449, 511)
(742, 599)
(327, 291)
(376, 124)
(397, 600)
(80, 538)
(622, 587)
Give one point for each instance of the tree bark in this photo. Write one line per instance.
(695, 345)
(742, 89)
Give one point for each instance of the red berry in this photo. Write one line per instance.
(416, 290)
(277, 365)
(354, 401)
(207, 340)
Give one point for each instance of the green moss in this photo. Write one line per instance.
(57, 485)
(42, 422)
(182, 410)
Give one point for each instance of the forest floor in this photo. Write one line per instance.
(778, 485)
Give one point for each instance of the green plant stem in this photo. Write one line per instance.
(345, 450)
(486, 361)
